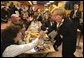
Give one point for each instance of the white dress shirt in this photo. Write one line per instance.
(74, 15)
(15, 50)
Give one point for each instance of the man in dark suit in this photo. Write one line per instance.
(66, 32)
(75, 16)
(49, 25)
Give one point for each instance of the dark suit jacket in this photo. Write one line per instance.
(76, 19)
(48, 25)
(69, 36)
(40, 18)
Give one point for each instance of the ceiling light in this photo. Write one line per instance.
(51, 1)
(30, 2)
(47, 3)
(34, 2)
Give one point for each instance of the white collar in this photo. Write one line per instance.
(75, 10)
(62, 20)
(59, 24)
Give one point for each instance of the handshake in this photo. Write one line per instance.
(41, 34)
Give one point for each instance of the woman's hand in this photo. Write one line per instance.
(41, 33)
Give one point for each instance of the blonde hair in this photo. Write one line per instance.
(59, 11)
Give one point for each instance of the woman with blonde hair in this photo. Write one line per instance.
(65, 30)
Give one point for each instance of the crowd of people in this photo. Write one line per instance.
(21, 17)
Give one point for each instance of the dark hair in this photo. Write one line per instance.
(76, 4)
(8, 35)
(11, 31)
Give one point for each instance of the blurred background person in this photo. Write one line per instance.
(75, 16)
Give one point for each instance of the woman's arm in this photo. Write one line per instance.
(15, 50)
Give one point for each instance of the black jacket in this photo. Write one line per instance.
(4, 13)
(69, 37)
(76, 20)
(48, 25)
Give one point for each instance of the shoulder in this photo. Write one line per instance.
(68, 22)
(72, 10)
(79, 11)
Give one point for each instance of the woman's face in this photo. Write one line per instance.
(46, 16)
(56, 17)
(25, 16)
